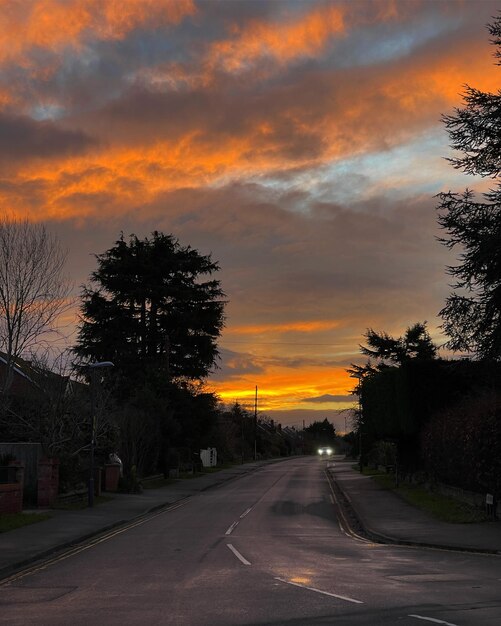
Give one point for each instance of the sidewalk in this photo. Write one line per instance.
(30, 543)
(388, 518)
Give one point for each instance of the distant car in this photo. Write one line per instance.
(325, 451)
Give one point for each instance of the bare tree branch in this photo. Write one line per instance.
(33, 289)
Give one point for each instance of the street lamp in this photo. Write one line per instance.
(93, 367)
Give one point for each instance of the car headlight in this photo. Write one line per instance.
(320, 451)
(329, 451)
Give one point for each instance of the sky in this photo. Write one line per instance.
(299, 143)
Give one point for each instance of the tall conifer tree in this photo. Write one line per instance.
(472, 313)
(153, 309)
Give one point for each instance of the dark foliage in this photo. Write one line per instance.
(461, 445)
(398, 402)
(472, 313)
(150, 311)
(385, 351)
(416, 343)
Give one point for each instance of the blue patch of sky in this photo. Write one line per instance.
(407, 170)
(42, 112)
(381, 43)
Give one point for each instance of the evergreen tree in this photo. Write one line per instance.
(150, 311)
(386, 351)
(472, 313)
(416, 343)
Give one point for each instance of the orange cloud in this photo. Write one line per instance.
(285, 388)
(147, 153)
(54, 24)
(304, 36)
(302, 327)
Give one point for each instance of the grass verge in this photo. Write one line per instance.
(439, 506)
(11, 521)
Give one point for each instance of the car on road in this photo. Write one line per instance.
(325, 451)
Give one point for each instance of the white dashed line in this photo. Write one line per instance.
(231, 528)
(245, 513)
(432, 619)
(241, 558)
(325, 593)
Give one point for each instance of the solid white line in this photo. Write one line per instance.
(238, 555)
(245, 513)
(432, 619)
(326, 593)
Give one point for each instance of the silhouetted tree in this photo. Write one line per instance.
(33, 289)
(416, 343)
(322, 432)
(385, 350)
(150, 311)
(472, 313)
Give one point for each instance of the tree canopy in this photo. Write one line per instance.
(152, 308)
(384, 351)
(321, 431)
(472, 313)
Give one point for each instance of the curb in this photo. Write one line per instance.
(14, 568)
(379, 537)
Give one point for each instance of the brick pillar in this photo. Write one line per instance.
(111, 476)
(48, 482)
(11, 494)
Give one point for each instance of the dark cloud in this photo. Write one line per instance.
(327, 397)
(296, 417)
(24, 138)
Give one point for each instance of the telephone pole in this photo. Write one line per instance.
(255, 427)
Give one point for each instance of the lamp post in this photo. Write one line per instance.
(93, 367)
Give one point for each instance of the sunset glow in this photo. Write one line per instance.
(299, 143)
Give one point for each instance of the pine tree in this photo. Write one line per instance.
(472, 313)
(150, 311)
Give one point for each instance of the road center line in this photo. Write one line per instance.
(241, 558)
(432, 619)
(231, 528)
(325, 593)
(245, 513)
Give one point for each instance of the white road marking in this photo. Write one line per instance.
(245, 513)
(231, 528)
(332, 499)
(432, 619)
(238, 555)
(325, 593)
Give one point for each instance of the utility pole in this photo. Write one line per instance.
(255, 427)
(360, 430)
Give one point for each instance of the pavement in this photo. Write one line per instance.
(383, 516)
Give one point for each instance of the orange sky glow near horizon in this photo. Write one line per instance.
(298, 142)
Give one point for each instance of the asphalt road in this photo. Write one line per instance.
(264, 549)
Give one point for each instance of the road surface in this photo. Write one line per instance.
(264, 549)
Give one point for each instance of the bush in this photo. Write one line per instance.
(461, 446)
